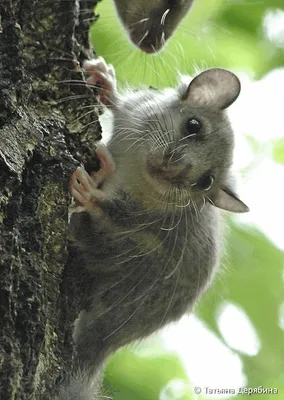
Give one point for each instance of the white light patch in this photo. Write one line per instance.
(106, 121)
(273, 25)
(208, 362)
(258, 111)
(176, 389)
(281, 316)
(263, 193)
(237, 330)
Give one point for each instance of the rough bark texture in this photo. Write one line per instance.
(43, 135)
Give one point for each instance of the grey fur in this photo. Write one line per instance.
(79, 387)
(150, 248)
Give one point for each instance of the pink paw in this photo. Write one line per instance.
(84, 187)
(102, 75)
(107, 163)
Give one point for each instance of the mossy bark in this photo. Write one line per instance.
(45, 131)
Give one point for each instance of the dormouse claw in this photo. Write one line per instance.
(102, 76)
(84, 187)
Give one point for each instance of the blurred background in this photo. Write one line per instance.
(235, 338)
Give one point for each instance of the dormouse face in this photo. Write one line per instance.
(196, 148)
(150, 23)
(183, 139)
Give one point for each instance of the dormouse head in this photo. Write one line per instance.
(212, 92)
(150, 23)
(184, 141)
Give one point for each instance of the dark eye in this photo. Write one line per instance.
(205, 182)
(193, 126)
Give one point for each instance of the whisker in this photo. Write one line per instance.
(143, 37)
(164, 16)
(139, 22)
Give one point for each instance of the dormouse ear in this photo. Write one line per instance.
(227, 200)
(215, 88)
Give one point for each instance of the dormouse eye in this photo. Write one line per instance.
(205, 182)
(193, 126)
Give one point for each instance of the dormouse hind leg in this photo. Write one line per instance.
(102, 76)
(84, 188)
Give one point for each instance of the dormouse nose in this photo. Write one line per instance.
(150, 42)
(153, 36)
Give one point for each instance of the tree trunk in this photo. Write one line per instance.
(46, 128)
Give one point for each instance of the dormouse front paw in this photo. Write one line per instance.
(84, 188)
(102, 76)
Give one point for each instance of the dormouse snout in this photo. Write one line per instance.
(150, 34)
(169, 165)
(150, 42)
(151, 23)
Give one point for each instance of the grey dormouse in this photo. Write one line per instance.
(146, 226)
(150, 23)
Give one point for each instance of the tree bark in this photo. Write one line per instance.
(47, 126)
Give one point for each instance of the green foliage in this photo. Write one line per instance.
(215, 33)
(229, 34)
(278, 151)
(144, 377)
(254, 282)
